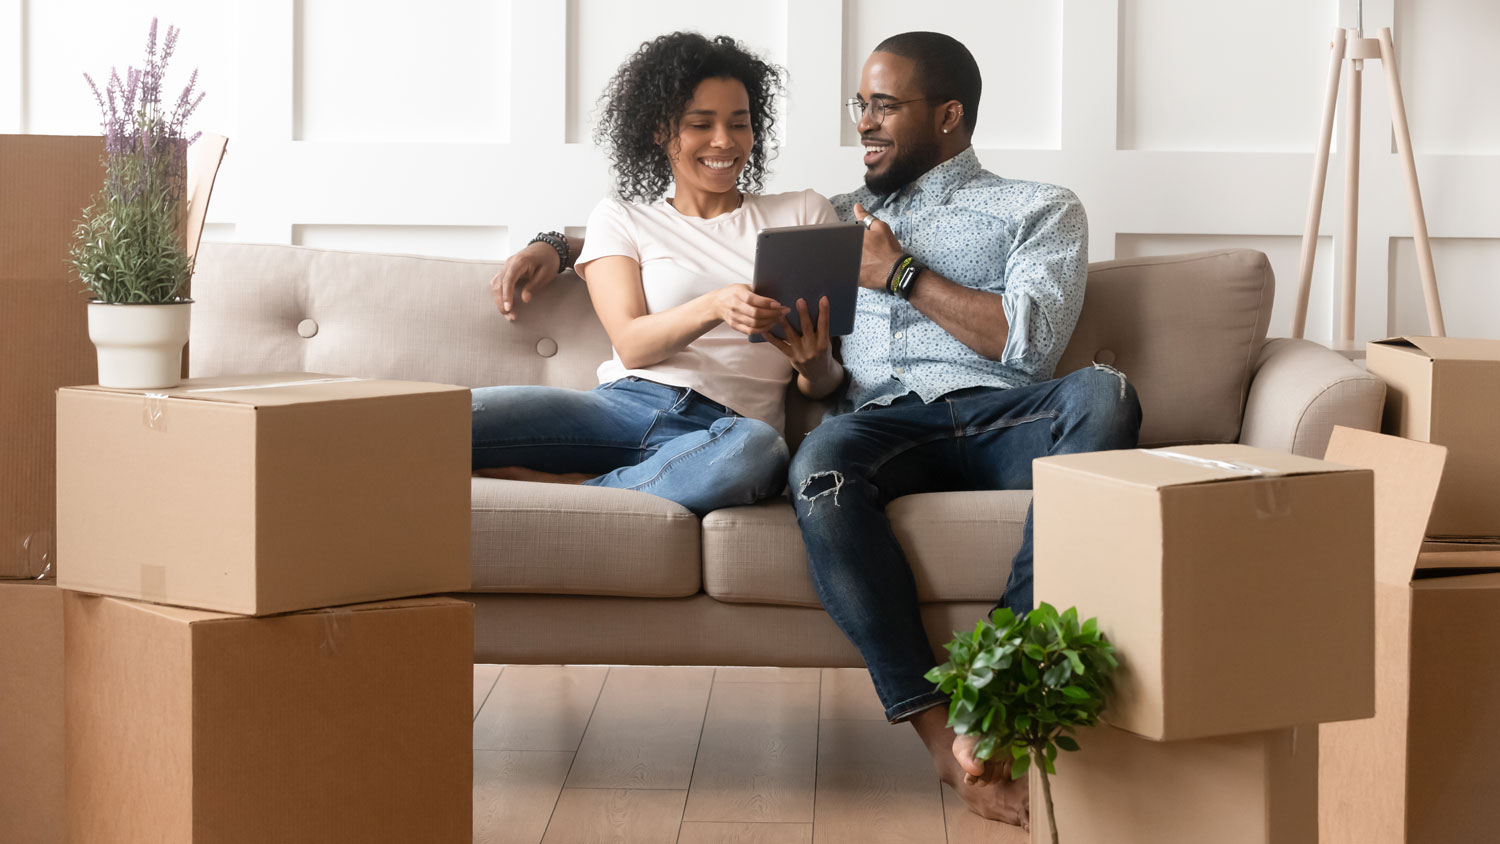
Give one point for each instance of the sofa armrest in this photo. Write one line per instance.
(1300, 390)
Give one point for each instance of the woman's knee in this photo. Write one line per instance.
(758, 453)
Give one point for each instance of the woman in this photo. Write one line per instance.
(687, 408)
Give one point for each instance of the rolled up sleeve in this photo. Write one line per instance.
(1044, 280)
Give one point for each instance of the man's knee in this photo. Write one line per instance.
(1102, 398)
(818, 469)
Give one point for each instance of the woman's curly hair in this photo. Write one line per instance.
(649, 93)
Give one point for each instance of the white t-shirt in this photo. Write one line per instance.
(684, 257)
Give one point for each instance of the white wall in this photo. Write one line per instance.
(461, 127)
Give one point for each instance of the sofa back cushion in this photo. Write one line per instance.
(1185, 328)
(261, 308)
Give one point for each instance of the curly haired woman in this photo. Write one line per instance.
(687, 408)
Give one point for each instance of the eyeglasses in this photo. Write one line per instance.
(877, 108)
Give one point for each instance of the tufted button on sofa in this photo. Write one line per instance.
(580, 574)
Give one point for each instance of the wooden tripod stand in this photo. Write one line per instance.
(1348, 45)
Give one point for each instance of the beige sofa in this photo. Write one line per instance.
(585, 575)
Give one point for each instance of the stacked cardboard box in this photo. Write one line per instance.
(257, 697)
(1446, 391)
(45, 183)
(1423, 770)
(1238, 586)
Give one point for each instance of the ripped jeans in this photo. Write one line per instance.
(634, 434)
(851, 466)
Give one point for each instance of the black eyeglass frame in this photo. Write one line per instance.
(857, 106)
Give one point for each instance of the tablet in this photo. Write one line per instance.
(810, 262)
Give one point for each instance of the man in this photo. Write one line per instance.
(971, 286)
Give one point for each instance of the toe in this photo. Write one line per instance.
(963, 751)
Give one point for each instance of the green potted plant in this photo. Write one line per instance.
(1025, 685)
(129, 249)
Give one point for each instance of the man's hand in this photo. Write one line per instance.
(525, 274)
(808, 351)
(881, 251)
(744, 310)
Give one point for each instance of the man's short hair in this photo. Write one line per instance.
(946, 70)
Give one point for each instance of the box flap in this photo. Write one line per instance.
(1448, 348)
(1454, 563)
(1406, 481)
(1197, 464)
(281, 388)
(371, 606)
(203, 166)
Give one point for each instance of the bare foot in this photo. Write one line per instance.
(988, 791)
(521, 473)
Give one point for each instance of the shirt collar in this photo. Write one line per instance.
(939, 183)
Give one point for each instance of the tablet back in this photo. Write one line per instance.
(810, 262)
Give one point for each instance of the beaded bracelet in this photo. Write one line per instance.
(559, 243)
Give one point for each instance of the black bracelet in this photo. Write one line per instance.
(559, 243)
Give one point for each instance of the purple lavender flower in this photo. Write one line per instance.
(128, 247)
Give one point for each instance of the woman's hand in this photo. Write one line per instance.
(818, 374)
(745, 311)
(525, 274)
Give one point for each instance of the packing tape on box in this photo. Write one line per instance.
(31, 558)
(335, 630)
(154, 412)
(153, 582)
(1238, 466)
(1271, 500)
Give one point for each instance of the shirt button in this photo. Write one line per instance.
(899, 334)
(900, 370)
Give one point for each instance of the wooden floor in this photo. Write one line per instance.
(568, 754)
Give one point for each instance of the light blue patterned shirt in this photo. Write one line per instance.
(1026, 241)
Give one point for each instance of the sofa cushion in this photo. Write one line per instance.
(261, 308)
(1186, 330)
(959, 544)
(582, 540)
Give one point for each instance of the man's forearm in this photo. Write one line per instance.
(975, 318)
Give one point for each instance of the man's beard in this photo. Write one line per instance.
(911, 161)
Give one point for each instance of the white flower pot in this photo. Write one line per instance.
(139, 346)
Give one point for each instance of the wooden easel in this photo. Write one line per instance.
(1349, 45)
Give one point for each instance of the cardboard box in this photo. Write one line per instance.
(1446, 390)
(32, 783)
(1425, 768)
(45, 183)
(1226, 576)
(1254, 788)
(264, 494)
(344, 725)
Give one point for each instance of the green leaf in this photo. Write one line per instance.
(985, 749)
(1067, 743)
(1058, 674)
(1034, 651)
(1075, 693)
(1019, 767)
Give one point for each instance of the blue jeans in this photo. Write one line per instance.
(851, 466)
(634, 434)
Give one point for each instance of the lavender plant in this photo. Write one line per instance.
(128, 249)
